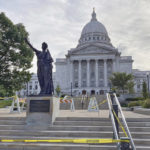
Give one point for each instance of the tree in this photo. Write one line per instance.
(2, 91)
(144, 90)
(121, 80)
(130, 87)
(15, 55)
(58, 90)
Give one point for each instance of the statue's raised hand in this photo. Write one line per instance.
(27, 41)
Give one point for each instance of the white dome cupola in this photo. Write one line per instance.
(94, 32)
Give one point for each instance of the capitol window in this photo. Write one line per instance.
(138, 86)
(89, 38)
(98, 38)
(36, 87)
(30, 87)
(93, 38)
(76, 84)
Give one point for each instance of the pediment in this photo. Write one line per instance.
(92, 50)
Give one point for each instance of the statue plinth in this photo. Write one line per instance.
(41, 111)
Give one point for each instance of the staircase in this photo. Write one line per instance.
(65, 128)
(78, 105)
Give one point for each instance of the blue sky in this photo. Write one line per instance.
(60, 22)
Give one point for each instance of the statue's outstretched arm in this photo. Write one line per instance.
(27, 41)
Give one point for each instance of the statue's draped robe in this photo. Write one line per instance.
(44, 72)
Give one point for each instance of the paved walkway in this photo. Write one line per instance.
(4, 112)
(101, 114)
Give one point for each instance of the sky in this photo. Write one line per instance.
(60, 22)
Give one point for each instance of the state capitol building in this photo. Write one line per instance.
(88, 67)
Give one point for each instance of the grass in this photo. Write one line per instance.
(4, 103)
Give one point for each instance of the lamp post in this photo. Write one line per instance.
(27, 88)
(71, 88)
(148, 82)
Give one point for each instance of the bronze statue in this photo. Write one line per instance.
(44, 71)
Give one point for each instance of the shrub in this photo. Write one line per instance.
(124, 104)
(4, 103)
(134, 99)
(132, 104)
(145, 91)
(146, 103)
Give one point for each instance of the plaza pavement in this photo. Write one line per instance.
(4, 112)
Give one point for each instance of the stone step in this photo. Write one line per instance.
(142, 141)
(96, 134)
(98, 123)
(13, 118)
(138, 142)
(41, 137)
(11, 122)
(48, 146)
(45, 146)
(12, 127)
(145, 142)
(96, 128)
(76, 119)
(81, 119)
(78, 104)
(143, 147)
(76, 128)
(100, 119)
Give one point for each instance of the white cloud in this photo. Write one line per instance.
(60, 22)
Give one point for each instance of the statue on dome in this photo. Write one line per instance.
(44, 69)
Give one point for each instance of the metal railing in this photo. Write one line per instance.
(113, 101)
(116, 136)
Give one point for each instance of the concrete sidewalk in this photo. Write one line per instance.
(4, 112)
(100, 114)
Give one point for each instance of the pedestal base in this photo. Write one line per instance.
(41, 112)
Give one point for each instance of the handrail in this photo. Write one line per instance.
(125, 123)
(112, 119)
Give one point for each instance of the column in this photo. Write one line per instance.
(79, 74)
(96, 73)
(114, 65)
(71, 72)
(88, 73)
(105, 73)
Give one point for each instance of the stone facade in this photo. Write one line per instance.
(139, 78)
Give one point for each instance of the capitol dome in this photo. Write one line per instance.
(94, 26)
(94, 32)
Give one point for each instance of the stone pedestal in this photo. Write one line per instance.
(41, 112)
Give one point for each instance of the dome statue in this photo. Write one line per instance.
(94, 26)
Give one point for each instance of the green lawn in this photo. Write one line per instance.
(4, 103)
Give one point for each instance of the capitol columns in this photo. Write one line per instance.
(88, 73)
(71, 72)
(79, 73)
(96, 72)
(114, 65)
(105, 73)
